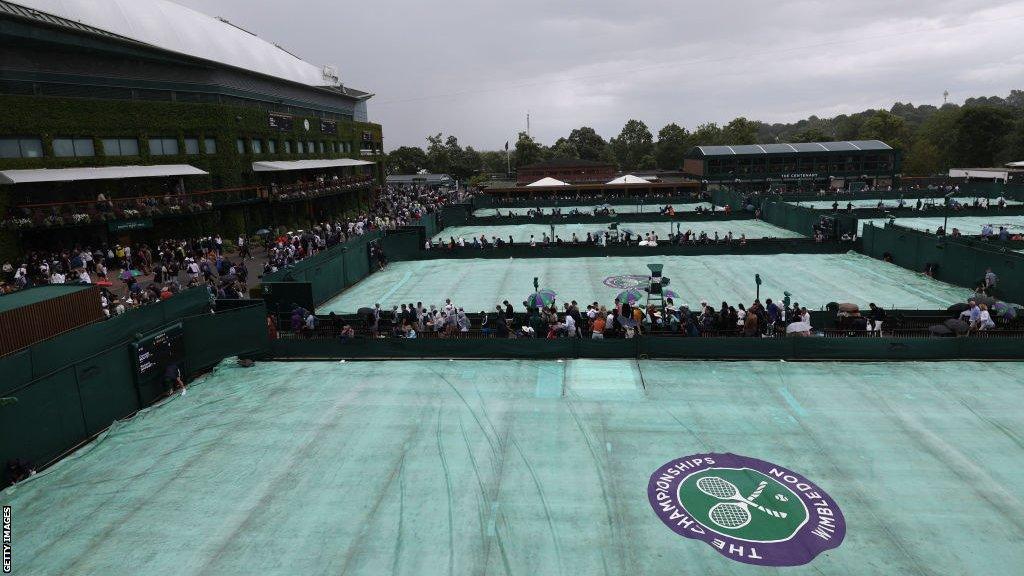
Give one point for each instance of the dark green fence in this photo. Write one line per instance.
(802, 220)
(961, 262)
(19, 368)
(795, 348)
(87, 387)
(328, 273)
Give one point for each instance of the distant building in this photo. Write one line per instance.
(811, 165)
(570, 170)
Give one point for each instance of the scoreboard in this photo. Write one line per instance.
(156, 351)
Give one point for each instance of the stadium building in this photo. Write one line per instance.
(801, 166)
(135, 117)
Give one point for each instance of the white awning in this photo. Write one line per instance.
(98, 173)
(995, 173)
(307, 164)
(548, 181)
(1019, 164)
(629, 179)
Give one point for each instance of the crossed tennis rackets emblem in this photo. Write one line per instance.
(735, 514)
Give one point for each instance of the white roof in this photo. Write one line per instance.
(101, 173)
(1015, 164)
(306, 164)
(179, 29)
(629, 179)
(997, 173)
(548, 181)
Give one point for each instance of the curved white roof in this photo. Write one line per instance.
(548, 181)
(179, 29)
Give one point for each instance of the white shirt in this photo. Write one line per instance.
(570, 324)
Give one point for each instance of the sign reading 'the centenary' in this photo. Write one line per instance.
(328, 127)
(746, 509)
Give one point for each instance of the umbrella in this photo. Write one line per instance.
(798, 327)
(631, 295)
(1004, 310)
(956, 326)
(136, 273)
(670, 294)
(541, 299)
(262, 232)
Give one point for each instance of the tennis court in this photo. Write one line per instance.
(968, 225)
(891, 203)
(523, 232)
(814, 280)
(589, 208)
(528, 467)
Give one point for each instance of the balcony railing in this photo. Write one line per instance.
(90, 212)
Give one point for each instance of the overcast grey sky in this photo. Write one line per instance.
(474, 68)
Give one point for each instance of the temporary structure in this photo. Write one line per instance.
(547, 181)
(629, 179)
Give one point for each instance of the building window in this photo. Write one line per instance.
(298, 147)
(257, 146)
(272, 146)
(191, 146)
(120, 147)
(240, 146)
(321, 147)
(21, 148)
(73, 147)
(163, 146)
(311, 147)
(287, 146)
(211, 145)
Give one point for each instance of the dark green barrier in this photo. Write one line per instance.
(403, 244)
(795, 348)
(330, 271)
(237, 332)
(802, 220)
(780, 246)
(70, 403)
(455, 214)
(49, 355)
(961, 262)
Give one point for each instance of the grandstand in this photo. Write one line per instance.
(143, 100)
(793, 167)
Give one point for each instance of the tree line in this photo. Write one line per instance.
(983, 132)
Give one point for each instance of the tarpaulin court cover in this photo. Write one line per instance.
(541, 467)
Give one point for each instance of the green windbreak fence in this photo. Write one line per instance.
(44, 357)
(802, 220)
(794, 348)
(962, 262)
(455, 215)
(328, 273)
(78, 398)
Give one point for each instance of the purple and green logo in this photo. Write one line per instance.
(625, 281)
(747, 509)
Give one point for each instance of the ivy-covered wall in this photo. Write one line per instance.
(49, 118)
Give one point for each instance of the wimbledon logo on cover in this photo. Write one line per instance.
(746, 509)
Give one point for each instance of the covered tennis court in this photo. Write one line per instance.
(652, 208)
(968, 225)
(523, 232)
(814, 280)
(528, 467)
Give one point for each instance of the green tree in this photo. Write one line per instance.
(923, 159)
(406, 160)
(708, 134)
(673, 144)
(632, 144)
(887, 127)
(563, 149)
(740, 131)
(810, 135)
(939, 130)
(588, 144)
(438, 158)
(980, 135)
(494, 161)
(527, 150)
